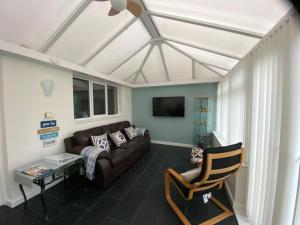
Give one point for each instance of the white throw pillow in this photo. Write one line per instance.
(118, 138)
(191, 174)
(101, 142)
(131, 132)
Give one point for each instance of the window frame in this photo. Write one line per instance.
(93, 117)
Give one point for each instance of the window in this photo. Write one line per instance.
(92, 98)
(81, 98)
(112, 97)
(99, 99)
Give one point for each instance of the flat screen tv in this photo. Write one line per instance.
(168, 106)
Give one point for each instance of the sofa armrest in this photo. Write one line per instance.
(147, 135)
(103, 172)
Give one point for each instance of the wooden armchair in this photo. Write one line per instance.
(218, 164)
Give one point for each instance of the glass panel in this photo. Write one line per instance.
(153, 68)
(208, 57)
(121, 48)
(32, 22)
(183, 68)
(90, 31)
(223, 72)
(203, 122)
(204, 73)
(132, 65)
(254, 15)
(81, 98)
(99, 99)
(112, 98)
(214, 39)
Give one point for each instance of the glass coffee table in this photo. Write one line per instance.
(53, 173)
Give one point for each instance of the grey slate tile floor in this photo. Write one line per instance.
(136, 198)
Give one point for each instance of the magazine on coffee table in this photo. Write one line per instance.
(35, 171)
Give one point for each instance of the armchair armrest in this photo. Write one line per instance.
(178, 177)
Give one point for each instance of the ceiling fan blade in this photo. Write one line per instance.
(134, 8)
(113, 12)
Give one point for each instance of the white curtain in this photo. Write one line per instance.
(268, 68)
(231, 106)
(259, 104)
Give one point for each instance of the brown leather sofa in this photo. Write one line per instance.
(110, 165)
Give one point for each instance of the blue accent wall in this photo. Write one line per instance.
(170, 129)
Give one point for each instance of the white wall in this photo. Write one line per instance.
(24, 107)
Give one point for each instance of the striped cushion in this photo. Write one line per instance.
(118, 138)
(131, 132)
(101, 142)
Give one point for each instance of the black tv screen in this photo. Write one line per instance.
(168, 106)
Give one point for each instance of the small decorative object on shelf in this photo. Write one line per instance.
(197, 156)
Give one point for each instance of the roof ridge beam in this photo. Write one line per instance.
(130, 57)
(191, 57)
(135, 78)
(65, 25)
(205, 49)
(208, 24)
(147, 21)
(164, 62)
(98, 50)
(207, 64)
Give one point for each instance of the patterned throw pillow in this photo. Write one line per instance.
(131, 132)
(118, 138)
(197, 156)
(101, 142)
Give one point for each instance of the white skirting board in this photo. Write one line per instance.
(172, 143)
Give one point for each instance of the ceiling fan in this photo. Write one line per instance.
(119, 5)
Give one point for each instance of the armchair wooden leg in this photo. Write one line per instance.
(171, 202)
(227, 213)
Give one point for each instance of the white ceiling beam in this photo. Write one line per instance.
(146, 58)
(145, 78)
(135, 78)
(143, 62)
(130, 57)
(147, 21)
(193, 69)
(205, 49)
(164, 62)
(191, 57)
(95, 53)
(208, 24)
(65, 25)
(203, 63)
(130, 76)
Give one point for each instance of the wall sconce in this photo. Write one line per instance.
(47, 86)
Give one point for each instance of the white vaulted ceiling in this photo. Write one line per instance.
(173, 41)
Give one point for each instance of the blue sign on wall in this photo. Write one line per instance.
(49, 135)
(49, 123)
